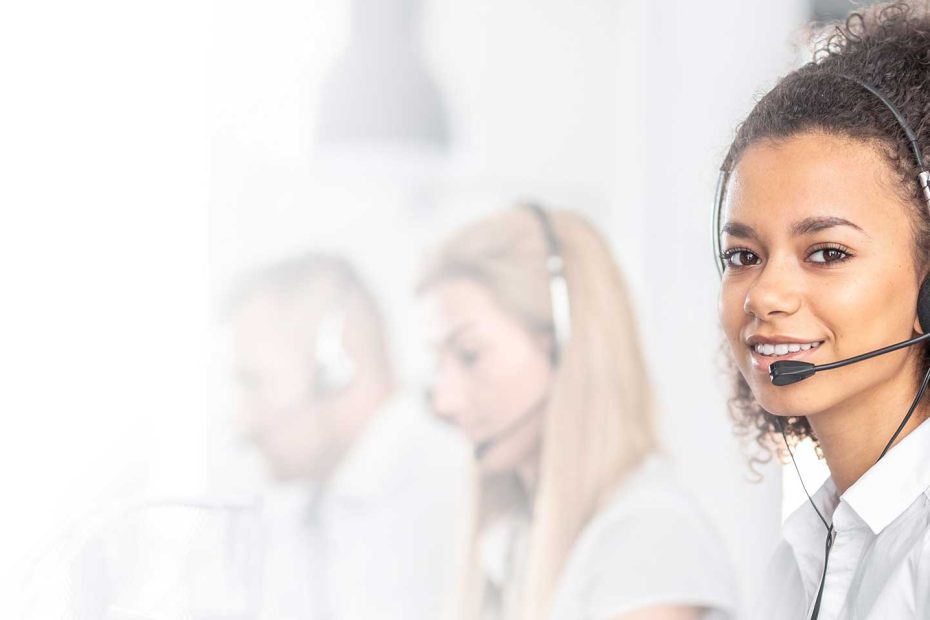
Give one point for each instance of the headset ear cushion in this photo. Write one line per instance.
(923, 306)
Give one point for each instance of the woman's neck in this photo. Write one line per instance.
(853, 434)
(528, 474)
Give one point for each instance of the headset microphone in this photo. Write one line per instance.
(482, 447)
(792, 371)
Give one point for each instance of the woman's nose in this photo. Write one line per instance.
(774, 292)
(447, 396)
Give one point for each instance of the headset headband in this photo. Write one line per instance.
(558, 286)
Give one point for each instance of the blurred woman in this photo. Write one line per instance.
(825, 242)
(573, 515)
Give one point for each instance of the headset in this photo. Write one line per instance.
(787, 372)
(334, 368)
(558, 285)
(561, 321)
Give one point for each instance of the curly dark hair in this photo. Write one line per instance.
(888, 47)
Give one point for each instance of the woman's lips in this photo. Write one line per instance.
(762, 362)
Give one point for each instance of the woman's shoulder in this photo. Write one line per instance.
(650, 493)
(650, 544)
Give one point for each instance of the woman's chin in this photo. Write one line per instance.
(784, 401)
(784, 404)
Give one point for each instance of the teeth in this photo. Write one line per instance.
(784, 349)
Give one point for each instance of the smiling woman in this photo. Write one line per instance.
(825, 241)
(792, 279)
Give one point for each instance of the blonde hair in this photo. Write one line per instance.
(599, 415)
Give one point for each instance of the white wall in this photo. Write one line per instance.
(103, 237)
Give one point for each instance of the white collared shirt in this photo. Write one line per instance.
(379, 541)
(879, 565)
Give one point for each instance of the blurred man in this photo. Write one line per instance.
(361, 522)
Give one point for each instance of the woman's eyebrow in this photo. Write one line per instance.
(814, 224)
(742, 231)
(803, 227)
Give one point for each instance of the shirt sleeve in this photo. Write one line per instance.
(661, 554)
(922, 583)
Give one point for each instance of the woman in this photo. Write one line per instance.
(573, 515)
(825, 242)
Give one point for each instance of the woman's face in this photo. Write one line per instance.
(492, 374)
(819, 267)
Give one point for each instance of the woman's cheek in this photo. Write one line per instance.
(731, 315)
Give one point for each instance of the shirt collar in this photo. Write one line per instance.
(893, 483)
(803, 527)
(498, 544)
(804, 532)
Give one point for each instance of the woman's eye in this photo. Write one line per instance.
(467, 357)
(740, 258)
(828, 255)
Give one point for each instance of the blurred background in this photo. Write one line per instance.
(152, 153)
